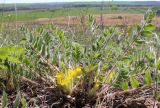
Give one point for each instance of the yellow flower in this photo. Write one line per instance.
(97, 84)
(67, 80)
(74, 72)
(110, 76)
(71, 72)
(78, 71)
(59, 77)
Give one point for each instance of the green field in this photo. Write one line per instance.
(35, 11)
(21, 16)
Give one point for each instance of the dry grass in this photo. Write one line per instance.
(108, 19)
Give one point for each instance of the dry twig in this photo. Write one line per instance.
(128, 92)
(23, 79)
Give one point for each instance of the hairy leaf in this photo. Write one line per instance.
(134, 82)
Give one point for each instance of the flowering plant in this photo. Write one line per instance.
(67, 80)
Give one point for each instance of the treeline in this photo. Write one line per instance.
(54, 6)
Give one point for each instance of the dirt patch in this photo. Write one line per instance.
(108, 19)
(47, 96)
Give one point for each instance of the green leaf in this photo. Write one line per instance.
(11, 53)
(47, 38)
(4, 100)
(149, 27)
(39, 44)
(96, 55)
(149, 57)
(24, 103)
(77, 51)
(125, 85)
(149, 15)
(148, 78)
(36, 42)
(43, 49)
(15, 82)
(14, 60)
(16, 50)
(157, 65)
(33, 41)
(3, 67)
(61, 36)
(94, 47)
(106, 33)
(146, 33)
(140, 41)
(16, 103)
(30, 37)
(125, 58)
(134, 82)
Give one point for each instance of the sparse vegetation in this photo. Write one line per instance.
(81, 65)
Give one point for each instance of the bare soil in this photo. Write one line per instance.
(108, 19)
(47, 96)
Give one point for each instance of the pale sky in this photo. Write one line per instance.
(42, 1)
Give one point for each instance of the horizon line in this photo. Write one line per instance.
(80, 1)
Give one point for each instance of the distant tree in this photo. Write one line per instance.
(112, 5)
(158, 13)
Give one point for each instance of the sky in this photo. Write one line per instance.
(42, 1)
